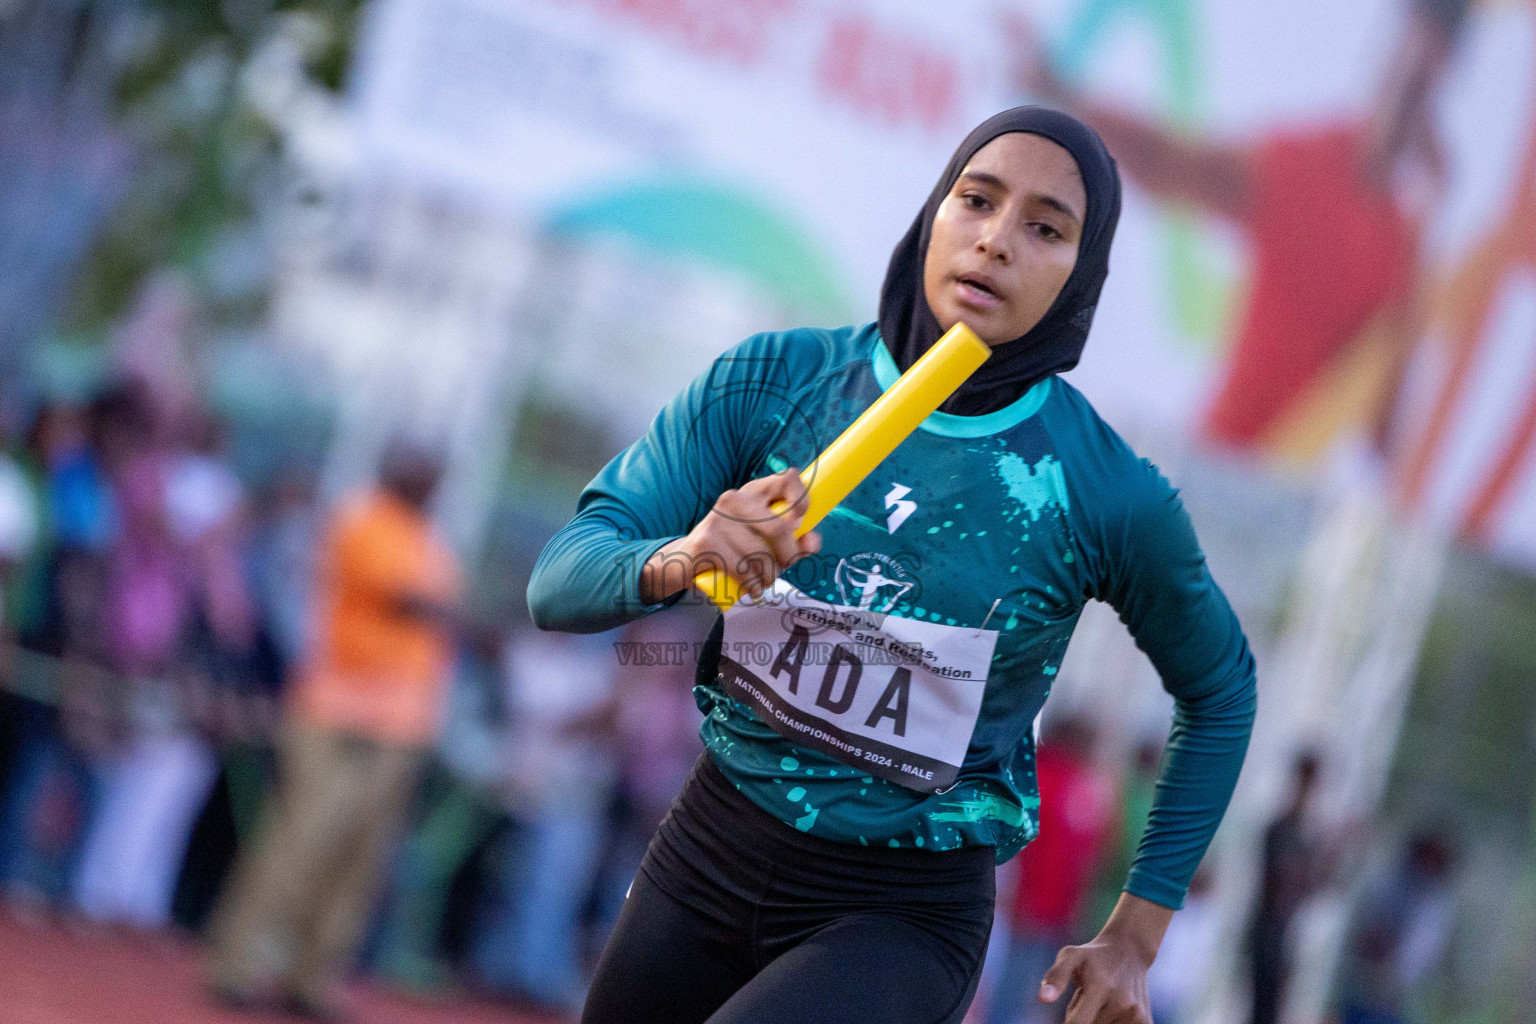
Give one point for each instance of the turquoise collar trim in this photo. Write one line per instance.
(949, 425)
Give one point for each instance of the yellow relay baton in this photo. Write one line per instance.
(870, 438)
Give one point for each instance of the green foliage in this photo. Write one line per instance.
(204, 162)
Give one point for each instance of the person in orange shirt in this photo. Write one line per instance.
(364, 706)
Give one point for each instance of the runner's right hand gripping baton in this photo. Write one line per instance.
(870, 438)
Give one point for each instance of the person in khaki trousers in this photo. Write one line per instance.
(364, 707)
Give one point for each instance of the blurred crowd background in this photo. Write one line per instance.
(315, 316)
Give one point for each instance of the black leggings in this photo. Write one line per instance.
(736, 918)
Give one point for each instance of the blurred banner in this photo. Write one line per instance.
(1466, 454)
(789, 143)
(792, 142)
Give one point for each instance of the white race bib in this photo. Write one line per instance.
(897, 698)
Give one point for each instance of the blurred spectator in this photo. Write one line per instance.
(203, 494)
(157, 768)
(275, 555)
(80, 499)
(1400, 932)
(229, 649)
(55, 438)
(22, 537)
(282, 555)
(462, 810)
(1332, 212)
(22, 553)
(362, 711)
(1077, 814)
(1183, 965)
(268, 555)
(50, 788)
(232, 669)
(19, 523)
(206, 509)
(562, 776)
(1293, 870)
(1137, 790)
(658, 742)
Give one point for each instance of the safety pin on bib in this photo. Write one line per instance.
(987, 619)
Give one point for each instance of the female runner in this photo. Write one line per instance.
(869, 752)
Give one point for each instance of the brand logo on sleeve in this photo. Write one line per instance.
(900, 507)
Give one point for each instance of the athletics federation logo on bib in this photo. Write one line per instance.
(896, 698)
(872, 581)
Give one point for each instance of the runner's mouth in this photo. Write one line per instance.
(979, 285)
(978, 293)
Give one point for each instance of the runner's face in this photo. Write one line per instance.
(1005, 239)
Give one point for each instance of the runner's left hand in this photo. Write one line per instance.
(1111, 977)
(1111, 971)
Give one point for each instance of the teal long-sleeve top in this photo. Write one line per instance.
(980, 536)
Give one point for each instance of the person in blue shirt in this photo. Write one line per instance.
(869, 702)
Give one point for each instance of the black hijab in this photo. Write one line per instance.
(1055, 343)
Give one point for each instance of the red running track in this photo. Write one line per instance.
(51, 975)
